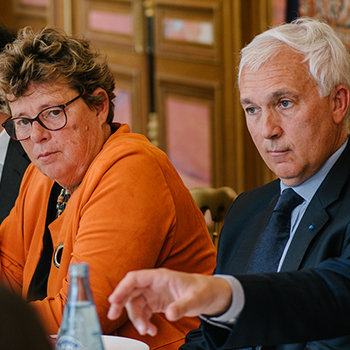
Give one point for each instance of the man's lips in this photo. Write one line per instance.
(277, 152)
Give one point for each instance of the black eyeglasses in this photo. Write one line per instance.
(51, 118)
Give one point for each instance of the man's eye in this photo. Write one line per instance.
(251, 110)
(285, 103)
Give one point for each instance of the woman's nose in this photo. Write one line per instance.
(38, 132)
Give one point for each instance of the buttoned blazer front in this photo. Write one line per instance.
(290, 308)
(16, 163)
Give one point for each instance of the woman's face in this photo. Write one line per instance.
(63, 155)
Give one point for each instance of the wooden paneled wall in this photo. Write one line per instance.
(174, 63)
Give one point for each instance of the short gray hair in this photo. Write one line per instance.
(327, 56)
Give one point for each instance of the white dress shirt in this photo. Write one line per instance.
(4, 142)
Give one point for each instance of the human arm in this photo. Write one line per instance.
(176, 294)
(302, 307)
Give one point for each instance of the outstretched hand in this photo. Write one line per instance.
(177, 294)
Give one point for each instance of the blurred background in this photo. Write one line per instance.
(174, 63)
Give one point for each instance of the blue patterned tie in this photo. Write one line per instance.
(271, 243)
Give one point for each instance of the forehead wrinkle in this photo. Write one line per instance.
(273, 96)
(45, 92)
(282, 92)
(40, 108)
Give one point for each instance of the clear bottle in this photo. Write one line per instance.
(80, 328)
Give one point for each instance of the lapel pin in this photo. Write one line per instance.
(311, 227)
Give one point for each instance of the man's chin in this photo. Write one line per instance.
(288, 176)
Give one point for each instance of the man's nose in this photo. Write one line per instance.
(271, 124)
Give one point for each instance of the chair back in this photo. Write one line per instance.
(217, 201)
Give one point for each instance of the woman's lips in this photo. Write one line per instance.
(47, 156)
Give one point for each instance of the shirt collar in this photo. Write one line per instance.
(308, 188)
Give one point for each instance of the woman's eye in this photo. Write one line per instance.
(22, 122)
(55, 112)
(51, 113)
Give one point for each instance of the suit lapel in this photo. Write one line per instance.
(16, 145)
(16, 162)
(238, 259)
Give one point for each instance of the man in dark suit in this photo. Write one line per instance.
(12, 154)
(295, 90)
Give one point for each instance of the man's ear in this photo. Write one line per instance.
(341, 99)
(102, 108)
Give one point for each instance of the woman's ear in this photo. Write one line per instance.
(102, 108)
(341, 103)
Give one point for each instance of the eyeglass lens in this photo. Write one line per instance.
(52, 118)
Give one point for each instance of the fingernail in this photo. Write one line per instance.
(141, 330)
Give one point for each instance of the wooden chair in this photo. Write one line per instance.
(217, 201)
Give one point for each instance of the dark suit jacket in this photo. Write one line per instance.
(294, 308)
(16, 162)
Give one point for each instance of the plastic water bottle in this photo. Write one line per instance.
(80, 328)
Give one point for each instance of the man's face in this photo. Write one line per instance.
(293, 128)
(63, 155)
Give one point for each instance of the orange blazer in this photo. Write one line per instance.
(131, 211)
